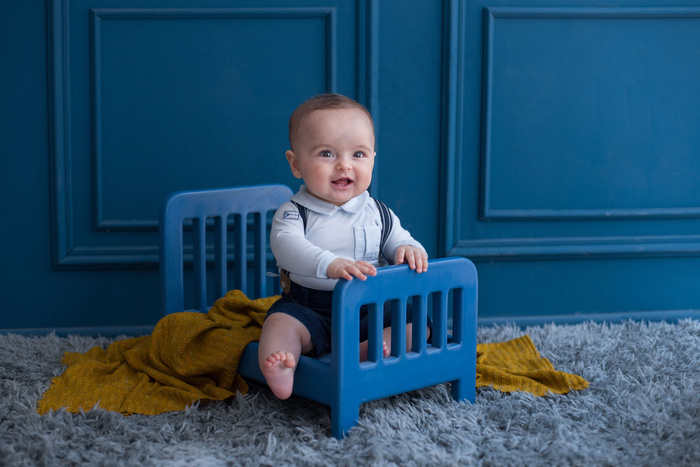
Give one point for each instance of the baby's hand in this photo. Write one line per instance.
(416, 258)
(341, 268)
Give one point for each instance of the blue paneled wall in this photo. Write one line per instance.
(555, 142)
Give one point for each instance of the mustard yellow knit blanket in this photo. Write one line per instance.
(194, 356)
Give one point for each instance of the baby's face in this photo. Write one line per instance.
(334, 154)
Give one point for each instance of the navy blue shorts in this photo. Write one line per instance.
(313, 308)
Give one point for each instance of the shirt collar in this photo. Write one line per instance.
(309, 201)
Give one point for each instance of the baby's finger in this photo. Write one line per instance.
(411, 259)
(360, 275)
(355, 271)
(367, 268)
(400, 255)
(421, 263)
(344, 274)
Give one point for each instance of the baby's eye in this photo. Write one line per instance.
(359, 154)
(326, 154)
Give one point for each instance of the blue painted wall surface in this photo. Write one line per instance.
(554, 142)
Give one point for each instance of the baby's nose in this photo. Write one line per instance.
(343, 164)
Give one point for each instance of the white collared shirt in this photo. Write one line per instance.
(352, 231)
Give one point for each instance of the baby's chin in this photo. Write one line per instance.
(332, 200)
(337, 199)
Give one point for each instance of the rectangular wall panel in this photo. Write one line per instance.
(179, 98)
(590, 113)
(148, 100)
(588, 143)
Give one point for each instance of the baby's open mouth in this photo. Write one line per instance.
(342, 182)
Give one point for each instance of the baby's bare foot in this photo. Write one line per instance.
(364, 350)
(278, 370)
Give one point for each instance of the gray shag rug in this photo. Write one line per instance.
(642, 408)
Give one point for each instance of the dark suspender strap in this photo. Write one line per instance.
(384, 214)
(387, 224)
(285, 282)
(302, 213)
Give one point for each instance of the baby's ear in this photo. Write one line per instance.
(293, 163)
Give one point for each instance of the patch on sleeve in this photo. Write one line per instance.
(294, 215)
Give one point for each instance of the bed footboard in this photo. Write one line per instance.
(448, 291)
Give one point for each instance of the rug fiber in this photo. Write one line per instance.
(642, 408)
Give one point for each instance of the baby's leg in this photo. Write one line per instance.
(387, 342)
(364, 350)
(282, 341)
(409, 337)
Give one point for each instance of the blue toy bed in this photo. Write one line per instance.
(340, 381)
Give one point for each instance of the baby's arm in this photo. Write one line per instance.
(297, 254)
(405, 248)
(292, 250)
(415, 257)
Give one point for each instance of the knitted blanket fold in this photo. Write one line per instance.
(189, 357)
(516, 365)
(193, 357)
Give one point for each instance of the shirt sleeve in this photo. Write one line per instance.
(397, 237)
(290, 247)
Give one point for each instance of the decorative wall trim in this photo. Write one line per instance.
(452, 112)
(586, 214)
(59, 133)
(368, 71)
(516, 249)
(67, 253)
(453, 243)
(97, 16)
(488, 212)
(593, 12)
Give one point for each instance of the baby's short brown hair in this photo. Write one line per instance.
(322, 102)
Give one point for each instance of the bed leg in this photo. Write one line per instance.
(344, 417)
(463, 392)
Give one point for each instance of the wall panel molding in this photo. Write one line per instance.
(557, 248)
(59, 133)
(451, 151)
(98, 16)
(492, 15)
(470, 202)
(117, 241)
(368, 71)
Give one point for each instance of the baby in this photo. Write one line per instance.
(330, 229)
